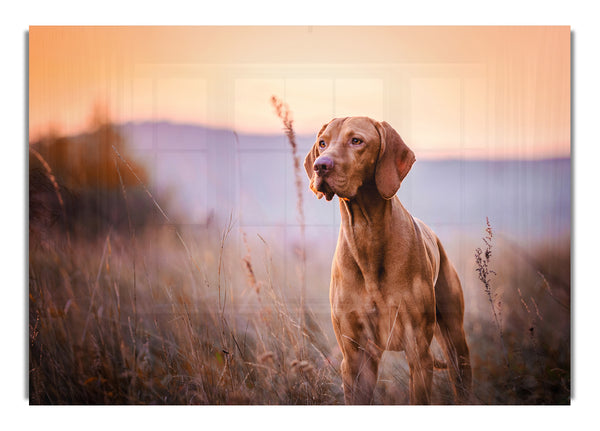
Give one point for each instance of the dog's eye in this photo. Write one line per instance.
(356, 141)
(322, 144)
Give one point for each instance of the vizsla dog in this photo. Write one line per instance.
(392, 285)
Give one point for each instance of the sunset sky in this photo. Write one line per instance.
(498, 92)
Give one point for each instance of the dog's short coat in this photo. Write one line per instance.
(392, 285)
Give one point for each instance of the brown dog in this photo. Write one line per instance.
(392, 285)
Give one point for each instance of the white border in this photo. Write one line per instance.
(583, 20)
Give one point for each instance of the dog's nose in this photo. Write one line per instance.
(323, 165)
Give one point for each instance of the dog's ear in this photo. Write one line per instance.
(394, 162)
(312, 155)
(309, 162)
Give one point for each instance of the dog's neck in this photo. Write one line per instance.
(366, 210)
(364, 231)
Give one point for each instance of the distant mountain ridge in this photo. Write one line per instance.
(171, 135)
(167, 135)
(214, 172)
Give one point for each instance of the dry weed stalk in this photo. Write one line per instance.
(56, 187)
(283, 112)
(533, 319)
(162, 212)
(226, 231)
(482, 261)
(133, 248)
(548, 289)
(247, 261)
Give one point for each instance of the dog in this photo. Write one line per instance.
(392, 284)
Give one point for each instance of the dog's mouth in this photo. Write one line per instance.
(322, 187)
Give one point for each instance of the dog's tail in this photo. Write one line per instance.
(449, 329)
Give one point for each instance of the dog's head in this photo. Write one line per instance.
(350, 152)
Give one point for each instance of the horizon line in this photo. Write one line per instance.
(426, 155)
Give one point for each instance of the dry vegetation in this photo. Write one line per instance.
(133, 310)
(521, 348)
(110, 324)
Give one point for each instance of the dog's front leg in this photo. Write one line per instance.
(360, 357)
(420, 362)
(359, 376)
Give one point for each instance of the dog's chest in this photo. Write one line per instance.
(378, 298)
(370, 319)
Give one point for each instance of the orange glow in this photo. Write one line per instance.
(450, 91)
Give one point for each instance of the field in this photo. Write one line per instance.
(129, 308)
(139, 320)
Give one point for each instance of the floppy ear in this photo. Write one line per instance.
(309, 162)
(394, 162)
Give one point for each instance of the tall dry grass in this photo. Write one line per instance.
(150, 317)
(97, 336)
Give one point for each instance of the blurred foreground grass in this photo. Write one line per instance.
(143, 320)
(116, 322)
